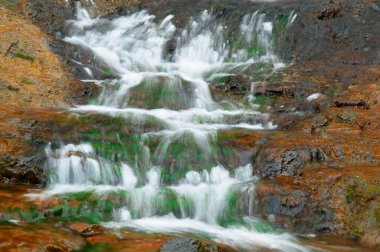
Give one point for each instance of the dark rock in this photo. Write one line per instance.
(54, 248)
(50, 15)
(320, 104)
(330, 11)
(92, 230)
(293, 207)
(358, 104)
(269, 89)
(347, 116)
(12, 88)
(285, 202)
(274, 162)
(236, 84)
(22, 169)
(370, 158)
(189, 245)
(333, 27)
(86, 230)
(319, 122)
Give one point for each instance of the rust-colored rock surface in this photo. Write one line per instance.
(35, 84)
(320, 170)
(322, 175)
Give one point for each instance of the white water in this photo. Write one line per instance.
(134, 49)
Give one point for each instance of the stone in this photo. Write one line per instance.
(272, 162)
(353, 103)
(319, 121)
(189, 245)
(54, 248)
(87, 230)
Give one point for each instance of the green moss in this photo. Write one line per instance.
(262, 109)
(274, 78)
(7, 223)
(252, 48)
(118, 148)
(92, 211)
(377, 215)
(374, 188)
(80, 196)
(96, 247)
(298, 97)
(221, 80)
(12, 88)
(257, 51)
(223, 136)
(230, 220)
(10, 2)
(107, 206)
(335, 89)
(92, 217)
(24, 56)
(356, 233)
(161, 92)
(263, 100)
(26, 81)
(357, 191)
(106, 70)
(188, 206)
(93, 134)
(231, 215)
(350, 194)
(30, 215)
(280, 29)
(183, 155)
(167, 202)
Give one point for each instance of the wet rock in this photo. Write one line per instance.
(273, 162)
(347, 116)
(189, 245)
(87, 230)
(269, 89)
(292, 207)
(358, 104)
(328, 12)
(319, 122)
(50, 15)
(54, 248)
(320, 104)
(369, 158)
(322, 27)
(82, 58)
(235, 84)
(22, 169)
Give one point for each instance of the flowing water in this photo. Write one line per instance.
(168, 167)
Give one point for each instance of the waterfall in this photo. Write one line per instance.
(180, 185)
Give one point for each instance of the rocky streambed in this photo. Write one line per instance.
(318, 169)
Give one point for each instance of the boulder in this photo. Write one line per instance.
(272, 162)
(187, 244)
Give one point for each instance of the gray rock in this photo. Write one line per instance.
(189, 245)
(274, 162)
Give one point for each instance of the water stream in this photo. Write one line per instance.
(167, 168)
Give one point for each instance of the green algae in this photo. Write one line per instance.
(24, 56)
(161, 92)
(96, 247)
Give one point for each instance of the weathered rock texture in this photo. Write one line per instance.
(320, 170)
(33, 82)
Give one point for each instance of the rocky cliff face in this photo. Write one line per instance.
(33, 82)
(320, 170)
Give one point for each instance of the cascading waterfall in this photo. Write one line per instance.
(180, 185)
